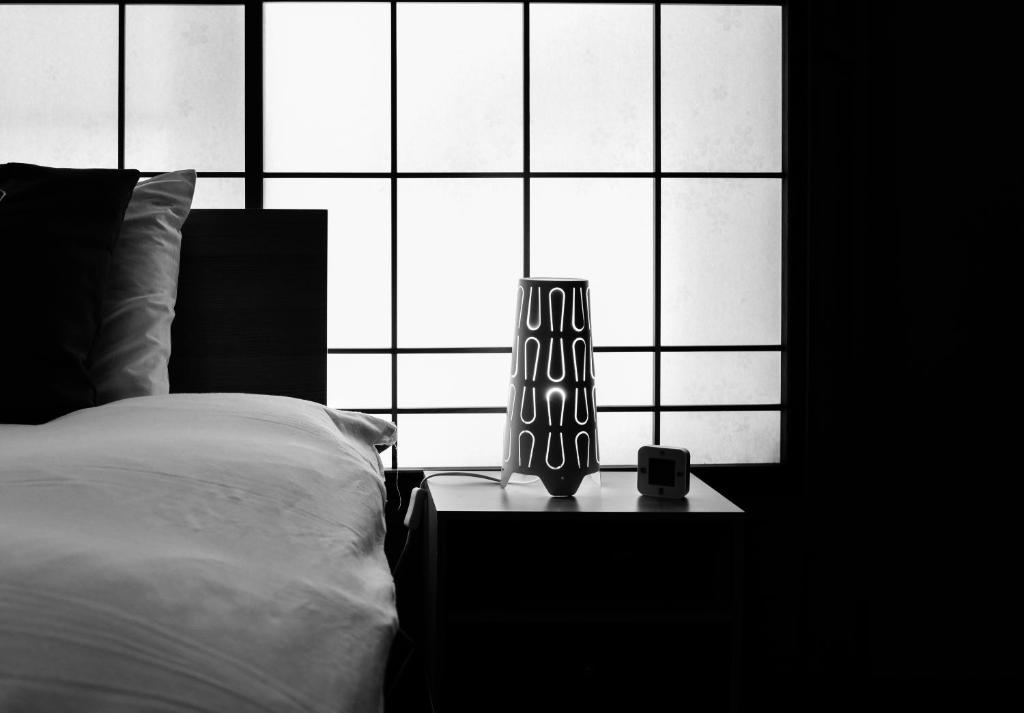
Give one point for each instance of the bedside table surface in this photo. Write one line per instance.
(617, 495)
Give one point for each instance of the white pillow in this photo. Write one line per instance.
(133, 345)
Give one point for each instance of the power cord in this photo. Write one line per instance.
(413, 516)
(414, 513)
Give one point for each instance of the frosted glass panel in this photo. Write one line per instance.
(721, 268)
(219, 193)
(358, 252)
(620, 434)
(724, 436)
(721, 88)
(460, 254)
(624, 378)
(358, 381)
(706, 378)
(327, 86)
(185, 87)
(599, 229)
(450, 440)
(591, 87)
(452, 380)
(58, 85)
(460, 87)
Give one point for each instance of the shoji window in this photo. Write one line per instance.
(155, 87)
(461, 145)
(458, 146)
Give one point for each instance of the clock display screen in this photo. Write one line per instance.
(662, 472)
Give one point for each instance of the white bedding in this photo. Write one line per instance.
(194, 552)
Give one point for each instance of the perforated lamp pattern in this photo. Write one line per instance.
(551, 413)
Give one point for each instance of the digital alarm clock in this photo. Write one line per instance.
(663, 472)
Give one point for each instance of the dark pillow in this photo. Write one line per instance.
(58, 228)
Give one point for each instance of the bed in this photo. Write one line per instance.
(218, 548)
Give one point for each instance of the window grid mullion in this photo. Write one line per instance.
(253, 173)
(511, 174)
(394, 223)
(784, 426)
(526, 139)
(621, 349)
(120, 83)
(656, 386)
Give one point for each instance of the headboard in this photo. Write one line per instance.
(251, 314)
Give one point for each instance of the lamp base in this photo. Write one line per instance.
(559, 485)
(562, 485)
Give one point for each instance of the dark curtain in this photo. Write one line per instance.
(886, 578)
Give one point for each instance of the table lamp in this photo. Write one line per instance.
(551, 414)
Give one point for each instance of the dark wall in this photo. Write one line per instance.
(941, 611)
(884, 576)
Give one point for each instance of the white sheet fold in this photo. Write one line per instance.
(194, 552)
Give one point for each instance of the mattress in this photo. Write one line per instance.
(194, 552)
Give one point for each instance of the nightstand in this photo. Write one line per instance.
(605, 601)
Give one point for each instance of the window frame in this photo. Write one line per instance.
(791, 438)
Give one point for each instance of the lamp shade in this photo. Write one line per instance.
(551, 415)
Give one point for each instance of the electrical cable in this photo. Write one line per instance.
(414, 512)
(456, 472)
(412, 518)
